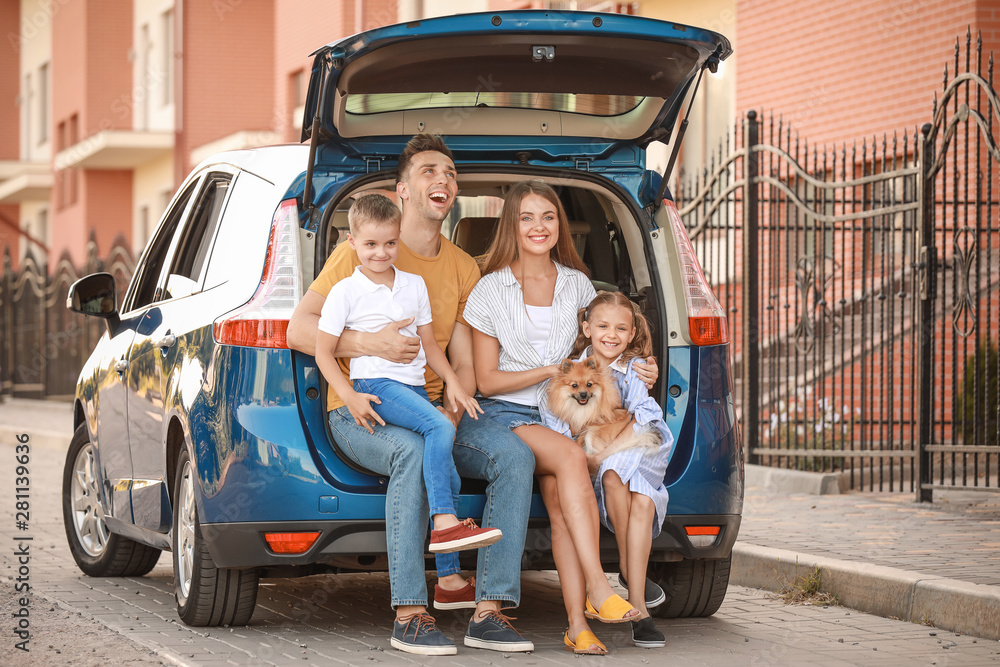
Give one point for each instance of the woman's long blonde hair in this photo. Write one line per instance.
(642, 342)
(503, 249)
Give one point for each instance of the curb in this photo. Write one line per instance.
(949, 604)
(784, 481)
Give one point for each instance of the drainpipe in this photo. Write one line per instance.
(409, 10)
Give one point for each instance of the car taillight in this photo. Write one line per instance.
(290, 543)
(702, 536)
(706, 317)
(263, 321)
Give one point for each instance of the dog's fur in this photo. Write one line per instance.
(584, 396)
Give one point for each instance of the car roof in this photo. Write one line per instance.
(278, 164)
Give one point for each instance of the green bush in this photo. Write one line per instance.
(978, 396)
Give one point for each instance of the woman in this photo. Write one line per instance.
(524, 318)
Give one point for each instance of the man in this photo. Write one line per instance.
(427, 185)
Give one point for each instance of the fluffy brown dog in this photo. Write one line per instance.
(584, 396)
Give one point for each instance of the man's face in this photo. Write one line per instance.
(429, 186)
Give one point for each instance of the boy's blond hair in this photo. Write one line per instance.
(372, 208)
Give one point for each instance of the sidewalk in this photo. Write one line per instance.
(48, 423)
(936, 563)
(879, 553)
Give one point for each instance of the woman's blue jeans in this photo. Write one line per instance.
(483, 450)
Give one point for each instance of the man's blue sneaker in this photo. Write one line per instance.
(654, 594)
(419, 634)
(494, 632)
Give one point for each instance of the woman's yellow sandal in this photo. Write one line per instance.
(613, 610)
(586, 643)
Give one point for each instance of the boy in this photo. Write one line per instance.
(376, 294)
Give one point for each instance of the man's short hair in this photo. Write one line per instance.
(418, 144)
(372, 208)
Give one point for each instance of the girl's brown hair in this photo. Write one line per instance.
(503, 249)
(642, 342)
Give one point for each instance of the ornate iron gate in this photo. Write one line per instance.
(42, 344)
(826, 261)
(959, 283)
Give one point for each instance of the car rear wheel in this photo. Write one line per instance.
(693, 587)
(206, 595)
(97, 551)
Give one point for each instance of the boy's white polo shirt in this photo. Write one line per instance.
(359, 304)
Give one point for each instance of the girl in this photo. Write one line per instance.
(629, 486)
(523, 315)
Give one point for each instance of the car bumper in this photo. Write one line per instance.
(361, 545)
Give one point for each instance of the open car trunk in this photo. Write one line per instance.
(525, 73)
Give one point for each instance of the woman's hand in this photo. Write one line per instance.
(647, 371)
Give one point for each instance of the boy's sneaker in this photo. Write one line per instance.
(463, 598)
(418, 634)
(464, 536)
(654, 594)
(645, 634)
(494, 632)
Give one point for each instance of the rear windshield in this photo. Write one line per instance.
(591, 105)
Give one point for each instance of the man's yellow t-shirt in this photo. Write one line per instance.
(449, 277)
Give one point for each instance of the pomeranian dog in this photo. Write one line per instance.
(584, 396)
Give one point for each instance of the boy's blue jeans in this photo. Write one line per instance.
(483, 450)
(408, 406)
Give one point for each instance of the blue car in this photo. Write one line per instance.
(199, 432)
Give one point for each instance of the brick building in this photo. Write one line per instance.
(842, 71)
(108, 103)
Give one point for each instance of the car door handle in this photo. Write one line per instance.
(121, 366)
(166, 342)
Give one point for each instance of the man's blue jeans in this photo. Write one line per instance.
(408, 406)
(483, 450)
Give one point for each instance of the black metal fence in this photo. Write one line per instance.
(42, 344)
(858, 348)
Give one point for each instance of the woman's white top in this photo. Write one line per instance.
(496, 308)
(539, 327)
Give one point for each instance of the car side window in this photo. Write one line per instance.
(196, 237)
(142, 291)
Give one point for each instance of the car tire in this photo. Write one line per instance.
(206, 595)
(97, 551)
(693, 587)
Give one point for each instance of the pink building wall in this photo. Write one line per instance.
(91, 71)
(301, 27)
(226, 72)
(840, 71)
